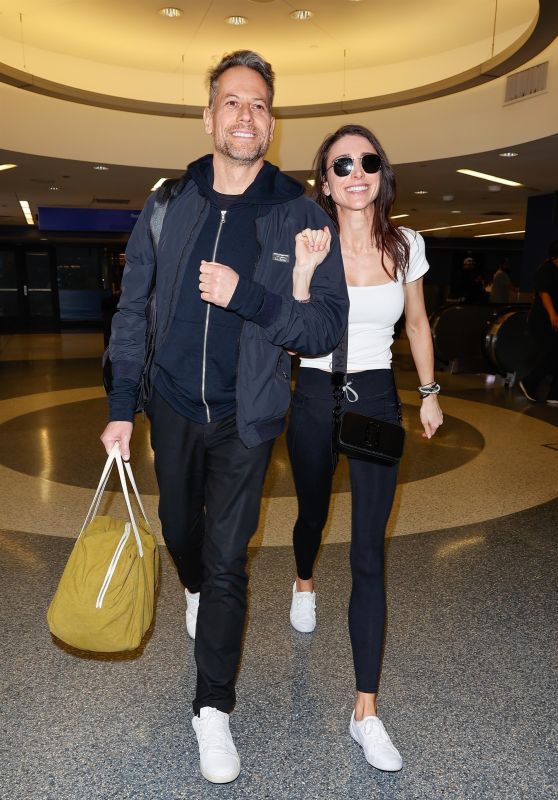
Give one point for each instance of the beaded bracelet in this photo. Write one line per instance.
(428, 389)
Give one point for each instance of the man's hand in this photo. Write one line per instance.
(217, 283)
(120, 432)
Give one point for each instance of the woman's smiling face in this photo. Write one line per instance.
(358, 189)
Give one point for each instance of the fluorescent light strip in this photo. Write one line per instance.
(27, 212)
(491, 178)
(466, 225)
(160, 182)
(7, 166)
(399, 216)
(502, 233)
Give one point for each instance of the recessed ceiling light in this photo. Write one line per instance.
(421, 191)
(160, 182)
(501, 233)
(54, 188)
(455, 211)
(101, 167)
(465, 225)
(399, 216)
(7, 166)
(492, 178)
(508, 154)
(301, 14)
(171, 13)
(236, 20)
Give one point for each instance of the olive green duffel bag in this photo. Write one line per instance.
(106, 595)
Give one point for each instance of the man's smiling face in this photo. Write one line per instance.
(240, 120)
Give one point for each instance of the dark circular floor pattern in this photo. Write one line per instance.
(62, 444)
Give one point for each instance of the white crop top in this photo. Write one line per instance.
(373, 312)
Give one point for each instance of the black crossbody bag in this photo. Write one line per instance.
(357, 435)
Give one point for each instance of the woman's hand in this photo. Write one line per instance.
(311, 247)
(430, 415)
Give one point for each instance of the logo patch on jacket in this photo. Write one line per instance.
(284, 258)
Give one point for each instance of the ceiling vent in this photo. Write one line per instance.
(110, 201)
(527, 83)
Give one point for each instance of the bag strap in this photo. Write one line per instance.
(113, 456)
(121, 473)
(156, 221)
(339, 371)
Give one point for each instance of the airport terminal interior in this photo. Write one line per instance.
(467, 688)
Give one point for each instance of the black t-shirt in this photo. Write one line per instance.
(546, 280)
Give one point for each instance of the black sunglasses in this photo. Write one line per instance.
(342, 166)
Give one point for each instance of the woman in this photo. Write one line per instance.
(384, 266)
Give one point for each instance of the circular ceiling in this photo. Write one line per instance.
(349, 55)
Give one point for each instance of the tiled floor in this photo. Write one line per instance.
(467, 688)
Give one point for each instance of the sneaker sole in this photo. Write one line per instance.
(381, 769)
(303, 630)
(215, 779)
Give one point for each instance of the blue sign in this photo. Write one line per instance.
(104, 220)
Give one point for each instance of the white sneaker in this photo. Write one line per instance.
(374, 740)
(219, 761)
(303, 611)
(192, 605)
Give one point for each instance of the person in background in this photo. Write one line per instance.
(502, 287)
(384, 266)
(238, 239)
(543, 323)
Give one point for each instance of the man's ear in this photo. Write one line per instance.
(271, 129)
(208, 120)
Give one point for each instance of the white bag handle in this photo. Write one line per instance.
(113, 456)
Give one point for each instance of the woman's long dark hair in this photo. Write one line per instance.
(388, 238)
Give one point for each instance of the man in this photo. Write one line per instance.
(228, 272)
(543, 323)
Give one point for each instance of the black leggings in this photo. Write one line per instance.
(373, 488)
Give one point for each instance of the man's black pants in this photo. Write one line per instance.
(210, 487)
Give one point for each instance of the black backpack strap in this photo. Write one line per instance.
(156, 221)
(170, 189)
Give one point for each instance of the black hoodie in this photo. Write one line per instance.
(197, 365)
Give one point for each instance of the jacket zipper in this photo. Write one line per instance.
(213, 257)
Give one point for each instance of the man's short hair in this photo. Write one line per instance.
(241, 58)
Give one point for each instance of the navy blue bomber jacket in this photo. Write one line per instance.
(275, 324)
